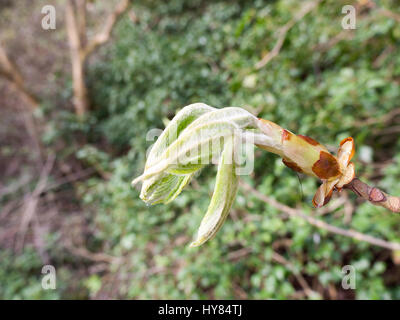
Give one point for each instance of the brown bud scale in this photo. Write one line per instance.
(309, 140)
(292, 165)
(376, 195)
(327, 166)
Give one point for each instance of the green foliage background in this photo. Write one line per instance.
(180, 52)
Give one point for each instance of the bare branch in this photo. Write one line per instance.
(81, 48)
(93, 256)
(103, 36)
(81, 20)
(343, 35)
(11, 72)
(283, 32)
(383, 11)
(374, 195)
(243, 252)
(81, 102)
(282, 260)
(32, 202)
(390, 14)
(321, 224)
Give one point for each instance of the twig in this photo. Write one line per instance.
(374, 195)
(81, 101)
(282, 260)
(38, 239)
(237, 254)
(283, 32)
(81, 20)
(33, 200)
(325, 46)
(383, 119)
(382, 57)
(10, 71)
(70, 178)
(331, 207)
(387, 131)
(319, 223)
(348, 209)
(4, 191)
(103, 36)
(387, 13)
(92, 256)
(243, 252)
(81, 48)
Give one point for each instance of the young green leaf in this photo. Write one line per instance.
(225, 189)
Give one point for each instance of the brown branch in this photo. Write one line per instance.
(243, 252)
(343, 35)
(374, 195)
(103, 36)
(30, 206)
(383, 56)
(283, 32)
(390, 14)
(383, 11)
(81, 48)
(319, 223)
(80, 100)
(381, 120)
(12, 74)
(93, 256)
(299, 277)
(81, 20)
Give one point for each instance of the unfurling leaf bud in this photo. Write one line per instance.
(199, 135)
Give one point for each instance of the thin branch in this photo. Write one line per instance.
(383, 11)
(325, 46)
(383, 56)
(103, 36)
(387, 117)
(92, 256)
(81, 102)
(81, 47)
(243, 252)
(319, 223)
(10, 71)
(81, 20)
(331, 207)
(283, 32)
(303, 283)
(238, 254)
(32, 202)
(390, 14)
(374, 195)
(387, 131)
(70, 178)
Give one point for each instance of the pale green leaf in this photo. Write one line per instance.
(226, 186)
